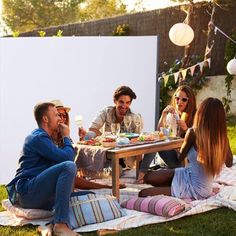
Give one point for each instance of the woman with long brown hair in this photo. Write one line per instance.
(183, 102)
(206, 147)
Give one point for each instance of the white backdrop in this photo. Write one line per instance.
(81, 71)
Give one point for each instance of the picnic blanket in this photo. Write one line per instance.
(226, 197)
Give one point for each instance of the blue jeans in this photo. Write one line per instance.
(51, 188)
(169, 157)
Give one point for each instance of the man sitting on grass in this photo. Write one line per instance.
(46, 173)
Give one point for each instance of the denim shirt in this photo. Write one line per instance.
(38, 154)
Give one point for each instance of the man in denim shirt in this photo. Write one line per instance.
(46, 173)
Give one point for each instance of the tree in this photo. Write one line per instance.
(27, 15)
(98, 9)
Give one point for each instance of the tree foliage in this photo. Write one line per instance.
(98, 9)
(27, 15)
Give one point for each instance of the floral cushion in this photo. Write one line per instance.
(26, 213)
(158, 205)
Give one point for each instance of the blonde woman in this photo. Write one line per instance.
(206, 147)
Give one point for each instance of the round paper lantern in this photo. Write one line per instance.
(181, 34)
(231, 67)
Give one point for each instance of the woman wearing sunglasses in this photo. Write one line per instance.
(183, 102)
(207, 149)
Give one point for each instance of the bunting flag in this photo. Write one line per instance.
(176, 77)
(209, 62)
(201, 65)
(184, 73)
(166, 77)
(192, 69)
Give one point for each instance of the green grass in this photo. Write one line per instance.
(218, 222)
(231, 127)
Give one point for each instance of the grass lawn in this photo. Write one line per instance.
(218, 222)
(231, 127)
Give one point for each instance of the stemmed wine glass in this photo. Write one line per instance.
(115, 129)
(79, 123)
(137, 122)
(127, 122)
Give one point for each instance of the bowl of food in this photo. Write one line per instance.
(109, 142)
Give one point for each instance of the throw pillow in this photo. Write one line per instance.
(157, 205)
(25, 213)
(93, 208)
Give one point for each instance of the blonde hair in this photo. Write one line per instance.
(211, 135)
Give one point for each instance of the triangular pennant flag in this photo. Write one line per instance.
(176, 76)
(184, 73)
(166, 77)
(207, 51)
(209, 62)
(192, 69)
(201, 65)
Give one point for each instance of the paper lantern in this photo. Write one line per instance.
(231, 67)
(181, 34)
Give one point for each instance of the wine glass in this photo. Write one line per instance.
(137, 122)
(79, 123)
(115, 129)
(127, 122)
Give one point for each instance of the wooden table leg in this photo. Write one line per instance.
(115, 178)
(138, 162)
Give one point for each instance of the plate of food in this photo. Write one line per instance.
(108, 142)
(91, 142)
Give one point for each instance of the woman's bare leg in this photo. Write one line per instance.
(155, 191)
(82, 183)
(160, 177)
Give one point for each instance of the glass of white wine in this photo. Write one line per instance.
(115, 129)
(127, 122)
(138, 123)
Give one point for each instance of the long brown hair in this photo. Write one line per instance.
(211, 135)
(191, 105)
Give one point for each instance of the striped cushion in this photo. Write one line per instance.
(92, 208)
(158, 205)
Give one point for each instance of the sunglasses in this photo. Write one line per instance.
(62, 116)
(181, 99)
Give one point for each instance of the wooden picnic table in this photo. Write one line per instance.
(136, 150)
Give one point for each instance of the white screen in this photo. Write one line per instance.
(83, 72)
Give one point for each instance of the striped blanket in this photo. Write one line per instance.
(226, 196)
